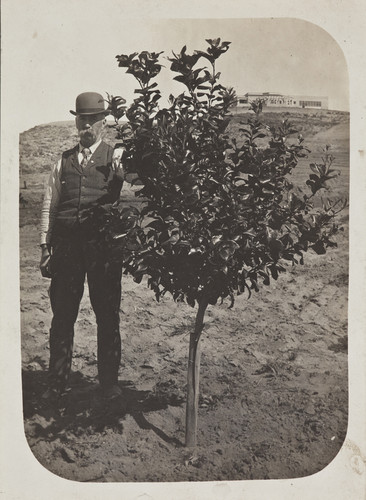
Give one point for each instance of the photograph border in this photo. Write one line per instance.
(21, 476)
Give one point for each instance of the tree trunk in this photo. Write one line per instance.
(193, 376)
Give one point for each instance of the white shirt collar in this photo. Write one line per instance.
(92, 148)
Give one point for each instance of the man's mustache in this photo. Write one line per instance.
(86, 133)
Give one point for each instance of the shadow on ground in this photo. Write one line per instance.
(83, 409)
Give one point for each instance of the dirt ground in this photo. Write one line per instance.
(274, 387)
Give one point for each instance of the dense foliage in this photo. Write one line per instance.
(220, 215)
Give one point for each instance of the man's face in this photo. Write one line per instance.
(90, 128)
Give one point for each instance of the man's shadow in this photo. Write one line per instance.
(83, 407)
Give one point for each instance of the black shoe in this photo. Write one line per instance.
(52, 394)
(111, 392)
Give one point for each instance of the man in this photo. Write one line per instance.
(87, 175)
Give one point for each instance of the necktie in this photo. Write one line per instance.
(86, 156)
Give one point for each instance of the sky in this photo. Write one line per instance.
(59, 53)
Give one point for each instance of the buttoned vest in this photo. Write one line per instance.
(81, 188)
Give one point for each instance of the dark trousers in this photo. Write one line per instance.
(74, 258)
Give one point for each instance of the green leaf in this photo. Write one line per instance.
(319, 248)
(266, 280)
(226, 249)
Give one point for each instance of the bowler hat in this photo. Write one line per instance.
(89, 103)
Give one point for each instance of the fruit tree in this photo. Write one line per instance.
(220, 215)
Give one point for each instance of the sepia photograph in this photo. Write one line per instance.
(183, 229)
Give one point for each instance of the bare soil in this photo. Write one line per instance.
(274, 381)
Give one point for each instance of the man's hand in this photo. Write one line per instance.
(45, 259)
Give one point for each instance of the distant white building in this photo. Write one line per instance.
(275, 100)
